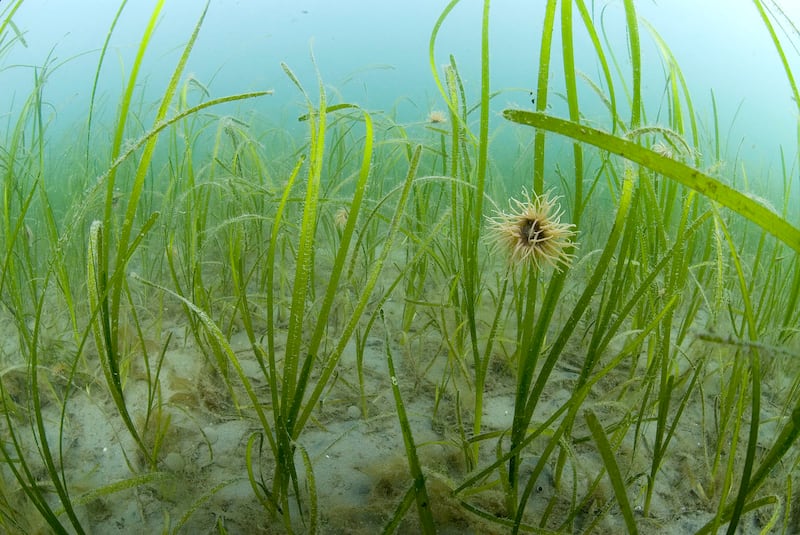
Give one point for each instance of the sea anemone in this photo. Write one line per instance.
(532, 231)
(661, 148)
(437, 117)
(340, 218)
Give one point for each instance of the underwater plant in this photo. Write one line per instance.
(215, 322)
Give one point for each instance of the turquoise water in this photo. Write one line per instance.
(375, 55)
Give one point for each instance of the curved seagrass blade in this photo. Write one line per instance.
(97, 283)
(672, 169)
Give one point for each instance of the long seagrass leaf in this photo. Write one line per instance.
(688, 176)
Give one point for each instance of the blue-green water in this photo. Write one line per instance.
(376, 54)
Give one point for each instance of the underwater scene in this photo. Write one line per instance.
(357, 267)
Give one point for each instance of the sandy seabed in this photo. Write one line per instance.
(355, 445)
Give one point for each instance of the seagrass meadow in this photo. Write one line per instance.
(558, 298)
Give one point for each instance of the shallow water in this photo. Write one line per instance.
(150, 366)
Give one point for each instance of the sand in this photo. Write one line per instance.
(354, 444)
